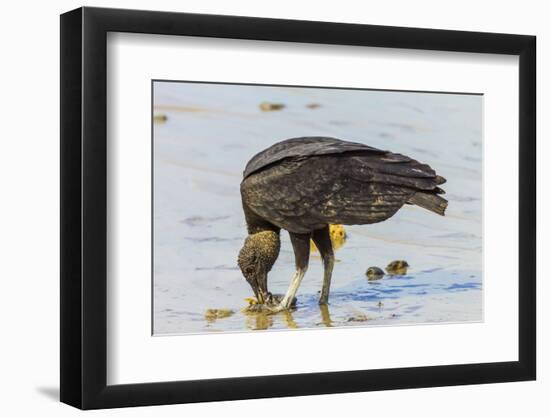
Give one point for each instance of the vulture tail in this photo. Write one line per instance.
(429, 201)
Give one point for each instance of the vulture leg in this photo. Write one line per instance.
(301, 246)
(321, 238)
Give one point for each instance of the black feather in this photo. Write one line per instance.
(303, 184)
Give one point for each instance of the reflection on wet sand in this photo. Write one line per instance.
(258, 321)
(325, 315)
(289, 320)
(263, 320)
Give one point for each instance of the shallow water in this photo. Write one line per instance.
(200, 151)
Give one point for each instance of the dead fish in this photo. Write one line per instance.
(398, 267)
(266, 106)
(255, 307)
(374, 273)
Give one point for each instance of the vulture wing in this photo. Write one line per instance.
(302, 194)
(303, 147)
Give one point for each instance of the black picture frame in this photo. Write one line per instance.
(84, 207)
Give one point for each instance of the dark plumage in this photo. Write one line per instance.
(304, 184)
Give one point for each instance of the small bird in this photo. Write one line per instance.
(305, 184)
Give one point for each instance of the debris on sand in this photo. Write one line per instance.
(213, 314)
(160, 118)
(397, 268)
(266, 106)
(358, 318)
(374, 273)
(313, 105)
(338, 235)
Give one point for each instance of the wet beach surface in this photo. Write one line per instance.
(201, 145)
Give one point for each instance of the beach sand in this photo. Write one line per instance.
(201, 146)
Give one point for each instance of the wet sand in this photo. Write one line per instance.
(200, 150)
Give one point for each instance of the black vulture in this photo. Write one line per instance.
(304, 184)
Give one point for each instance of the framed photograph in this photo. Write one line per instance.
(256, 207)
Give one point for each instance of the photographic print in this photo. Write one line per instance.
(298, 207)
